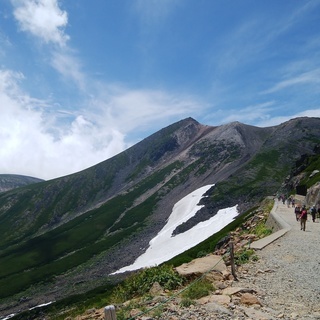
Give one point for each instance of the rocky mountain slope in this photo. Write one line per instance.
(66, 235)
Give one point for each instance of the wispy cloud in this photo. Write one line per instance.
(152, 12)
(69, 67)
(249, 114)
(309, 77)
(272, 121)
(261, 115)
(151, 105)
(253, 38)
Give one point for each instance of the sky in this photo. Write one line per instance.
(158, 250)
(81, 81)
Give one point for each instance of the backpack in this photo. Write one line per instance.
(304, 214)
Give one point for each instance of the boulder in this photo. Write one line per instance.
(156, 289)
(250, 299)
(202, 265)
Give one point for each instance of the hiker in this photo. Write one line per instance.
(288, 202)
(297, 212)
(303, 218)
(313, 212)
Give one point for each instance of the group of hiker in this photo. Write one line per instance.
(301, 211)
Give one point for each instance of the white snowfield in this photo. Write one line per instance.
(38, 306)
(164, 246)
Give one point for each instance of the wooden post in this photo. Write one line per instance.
(233, 269)
(110, 313)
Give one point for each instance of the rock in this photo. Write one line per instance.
(231, 291)
(214, 307)
(214, 276)
(220, 299)
(256, 314)
(134, 312)
(226, 274)
(221, 285)
(156, 289)
(249, 299)
(202, 265)
(90, 311)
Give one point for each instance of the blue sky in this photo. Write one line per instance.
(80, 81)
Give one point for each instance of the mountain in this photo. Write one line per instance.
(66, 235)
(12, 181)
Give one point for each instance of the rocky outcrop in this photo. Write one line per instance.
(227, 301)
(313, 195)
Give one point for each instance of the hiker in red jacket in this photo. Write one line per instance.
(303, 218)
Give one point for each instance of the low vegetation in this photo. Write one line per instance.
(243, 256)
(198, 289)
(139, 284)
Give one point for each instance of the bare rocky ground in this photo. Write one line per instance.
(283, 284)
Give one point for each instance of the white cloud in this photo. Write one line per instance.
(43, 19)
(46, 21)
(30, 146)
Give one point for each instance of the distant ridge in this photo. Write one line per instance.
(12, 181)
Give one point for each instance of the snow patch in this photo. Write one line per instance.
(164, 246)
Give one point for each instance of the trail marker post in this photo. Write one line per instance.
(233, 268)
(110, 313)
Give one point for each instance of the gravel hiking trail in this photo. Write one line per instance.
(287, 274)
